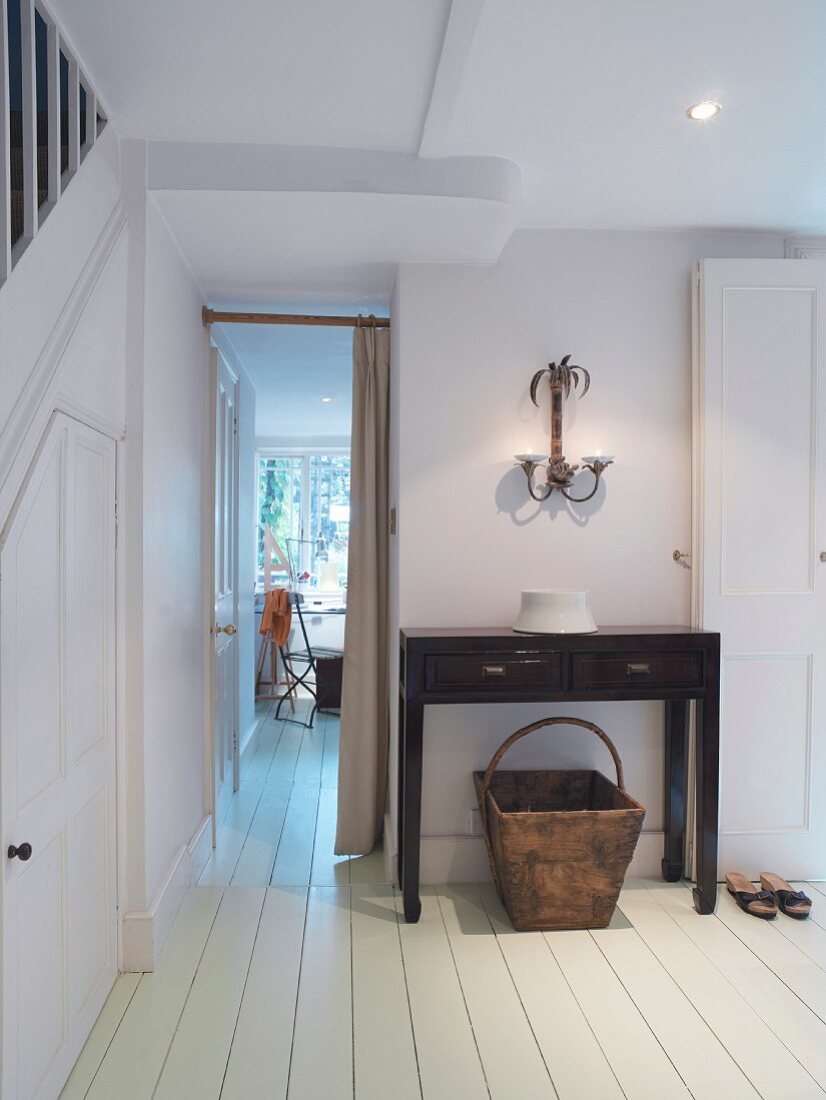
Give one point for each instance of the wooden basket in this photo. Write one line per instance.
(559, 842)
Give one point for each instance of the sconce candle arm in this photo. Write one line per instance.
(596, 469)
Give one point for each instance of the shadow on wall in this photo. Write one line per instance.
(512, 498)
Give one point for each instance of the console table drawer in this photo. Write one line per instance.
(654, 670)
(494, 671)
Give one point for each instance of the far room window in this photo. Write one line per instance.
(304, 503)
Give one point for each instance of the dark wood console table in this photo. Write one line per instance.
(484, 665)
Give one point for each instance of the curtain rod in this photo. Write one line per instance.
(217, 317)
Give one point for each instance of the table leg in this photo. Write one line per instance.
(400, 794)
(708, 784)
(676, 732)
(411, 810)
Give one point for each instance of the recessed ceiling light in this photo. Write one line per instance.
(326, 400)
(708, 108)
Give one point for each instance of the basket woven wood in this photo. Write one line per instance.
(559, 842)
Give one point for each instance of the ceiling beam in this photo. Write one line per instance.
(461, 27)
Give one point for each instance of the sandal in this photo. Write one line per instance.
(760, 904)
(794, 903)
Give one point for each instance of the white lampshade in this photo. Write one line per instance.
(555, 611)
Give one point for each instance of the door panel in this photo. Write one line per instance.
(57, 740)
(40, 956)
(225, 656)
(760, 502)
(37, 613)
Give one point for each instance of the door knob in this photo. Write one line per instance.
(24, 852)
(823, 555)
(230, 630)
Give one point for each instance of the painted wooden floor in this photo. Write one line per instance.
(290, 973)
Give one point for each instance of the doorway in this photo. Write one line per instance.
(275, 821)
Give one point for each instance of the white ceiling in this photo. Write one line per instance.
(324, 246)
(293, 367)
(589, 98)
(372, 126)
(284, 72)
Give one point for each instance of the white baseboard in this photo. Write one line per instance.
(249, 745)
(145, 931)
(200, 849)
(447, 859)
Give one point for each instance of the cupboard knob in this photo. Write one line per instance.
(24, 852)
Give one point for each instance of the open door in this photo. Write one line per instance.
(760, 552)
(225, 672)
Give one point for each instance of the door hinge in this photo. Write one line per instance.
(117, 520)
(235, 425)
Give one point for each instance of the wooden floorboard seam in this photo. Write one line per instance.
(755, 1005)
(112, 1038)
(587, 1021)
(517, 991)
(188, 993)
(396, 898)
(243, 991)
(298, 990)
(464, 997)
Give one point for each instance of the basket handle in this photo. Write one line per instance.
(514, 737)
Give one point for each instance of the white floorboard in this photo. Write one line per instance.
(384, 1052)
(642, 1067)
(749, 1040)
(107, 1023)
(136, 1055)
(322, 1055)
(510, 1054)
(259, 1062)
(197, 1059)
(314, 986)
(797, 1027)
(448, 1057)
(294, 861)
(703, 1063)
(578, 1068)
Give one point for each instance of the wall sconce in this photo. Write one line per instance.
(559, 475)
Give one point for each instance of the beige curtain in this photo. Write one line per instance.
(362, 768)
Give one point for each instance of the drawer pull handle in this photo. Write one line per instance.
(639, 670)
(493, 670)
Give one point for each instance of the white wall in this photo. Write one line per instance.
(174, 447)
(469, 339)
(166, 500)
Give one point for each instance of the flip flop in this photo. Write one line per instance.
(760, 903)
(794, 903)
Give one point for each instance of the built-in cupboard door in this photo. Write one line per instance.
(759, 533)
(57, 752)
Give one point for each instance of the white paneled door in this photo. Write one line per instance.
(225, 667)
(760, 552)
(57, 751)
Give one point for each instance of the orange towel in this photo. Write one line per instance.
(277, 616)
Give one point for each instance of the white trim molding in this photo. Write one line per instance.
(145, 931)
(806, 248)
